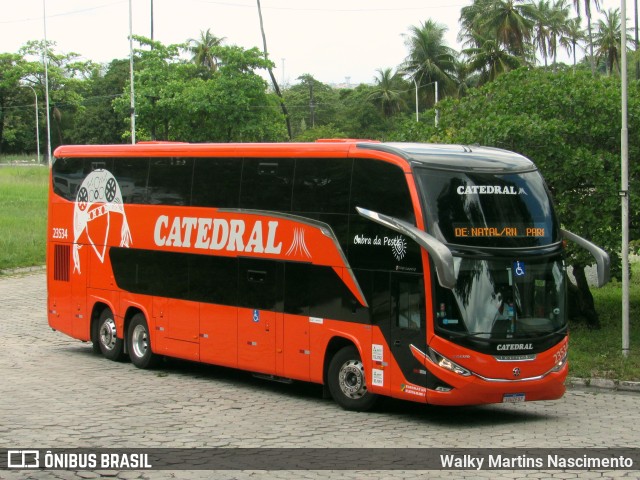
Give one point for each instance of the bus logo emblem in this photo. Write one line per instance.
(516, 372)
(398, 247)
(98, 196)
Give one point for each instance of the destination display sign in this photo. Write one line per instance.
(498, 231)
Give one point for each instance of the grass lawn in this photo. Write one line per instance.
(23, 216)
(592, 353)
(598, 353)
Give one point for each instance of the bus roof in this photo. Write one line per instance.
(456, 157)
(439, 156)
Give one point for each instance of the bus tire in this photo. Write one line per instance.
(109, 344)
(347, 381)
(139, 343)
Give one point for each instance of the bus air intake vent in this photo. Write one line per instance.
(61, 262)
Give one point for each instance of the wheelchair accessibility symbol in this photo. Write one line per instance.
(518, 268)
(256, 316)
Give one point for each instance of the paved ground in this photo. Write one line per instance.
(54, 393)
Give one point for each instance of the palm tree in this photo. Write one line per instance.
(512, 23)
(541, 35)
(509, 22)
(573, 35)
(587, 11)
(202, 49)
(557, 25)
(607, 39)
(430, 59)
(490, 59)
(387, 92)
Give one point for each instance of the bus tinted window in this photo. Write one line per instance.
(487, 209)
(267, 184)
(213, 279)
(150, 272)
(322, 185)
(170, 181)
(67, 175)
(261, 284)
(132, 175)
(216, 182)
(381, 187)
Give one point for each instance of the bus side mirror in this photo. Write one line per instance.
(440, 254)
(602, 258)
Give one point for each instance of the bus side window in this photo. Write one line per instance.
(216, 182)
(321, 185)
(261, 284)
(170, 181)
(267, 184)
(409, 304)
(132, 175)
(381, 187)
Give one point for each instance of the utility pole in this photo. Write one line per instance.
(133, 98)
(624, 188)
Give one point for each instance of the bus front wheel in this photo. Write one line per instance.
(347, 381)
(139, 344)
(110, 345)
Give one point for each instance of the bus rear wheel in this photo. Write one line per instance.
(347, 381)
(139, 343)
(109, 344)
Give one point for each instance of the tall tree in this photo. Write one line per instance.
(512, 23)
(430, 59)
(274, 82)
(388, 91)
(541, 27)
(558, 22)
(587, 12)
(607, 40)
(574, 34)
(490, 59)
(11, 72)
(202, 49)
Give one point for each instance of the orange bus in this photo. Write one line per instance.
(432, 273)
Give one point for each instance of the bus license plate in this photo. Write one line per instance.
(513, 398)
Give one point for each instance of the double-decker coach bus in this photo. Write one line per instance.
(431, 273)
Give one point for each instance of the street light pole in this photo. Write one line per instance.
(436, 104)
(133, 98)
(37, 126)
(624, 188)
(416, 84)
(46, 81)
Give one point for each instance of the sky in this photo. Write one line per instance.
(336, 41)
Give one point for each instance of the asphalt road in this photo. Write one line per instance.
(56, 393)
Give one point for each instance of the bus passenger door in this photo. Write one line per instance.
(407, 328)
(261, 303)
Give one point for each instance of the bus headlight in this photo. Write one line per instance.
(560, 363)
(447, 364)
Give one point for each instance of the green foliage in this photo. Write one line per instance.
(569, 125)
(181, 101)
(323, 131)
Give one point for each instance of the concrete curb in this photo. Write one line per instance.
(604, 383)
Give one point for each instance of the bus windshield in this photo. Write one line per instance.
(491, 221)
(503, 298)
(483, 210)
